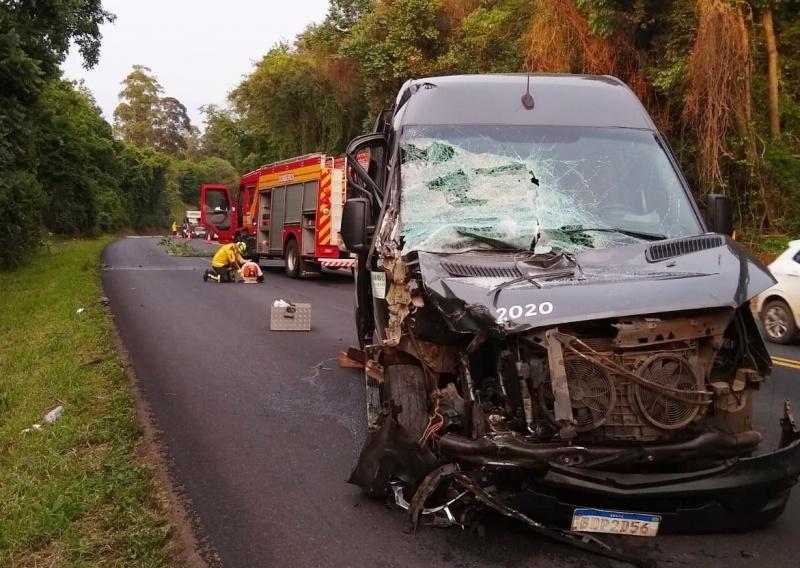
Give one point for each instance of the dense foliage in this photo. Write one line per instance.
(34, 37)
(721, 78)
(62, 167)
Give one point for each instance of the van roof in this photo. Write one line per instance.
(559, 100)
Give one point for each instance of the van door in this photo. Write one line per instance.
(217, 212)
(369, 150)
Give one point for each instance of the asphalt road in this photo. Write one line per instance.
(262, 429)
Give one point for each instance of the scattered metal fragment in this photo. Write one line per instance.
(398, 298)
(428, 486)
(391, 453)
(452, 472)
(789, 431)
(558, 380)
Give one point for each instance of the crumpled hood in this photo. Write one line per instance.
(612, 282)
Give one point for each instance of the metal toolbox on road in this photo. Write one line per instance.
(293, 317)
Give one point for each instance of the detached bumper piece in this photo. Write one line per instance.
(452, 473)
(738, 495)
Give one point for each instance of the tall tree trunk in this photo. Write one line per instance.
(744, 124)
(772, 73)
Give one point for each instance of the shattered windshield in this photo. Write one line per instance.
(535, 187)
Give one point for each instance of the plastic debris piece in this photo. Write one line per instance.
(103, 301)
(80, 310)
(281, 303)
(53, 415)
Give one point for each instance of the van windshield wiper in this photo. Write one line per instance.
(629, 232)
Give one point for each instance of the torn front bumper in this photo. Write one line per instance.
(737, 495)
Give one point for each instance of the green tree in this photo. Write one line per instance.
(173, 127)
(396, 40)
(78, 164)
(487, 39)
(188, 175)
(137, 116)
(145, 118)
(290, 101)
(224, 136)
(144, 182)
(34, 39)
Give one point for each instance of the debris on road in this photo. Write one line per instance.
(54, 414)
(483, 497)
(287, 316)
(79, 311)
(48, 418)
(103, 301)
(353, 358)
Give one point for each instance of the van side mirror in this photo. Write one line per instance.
(719, 214)
(355, 222)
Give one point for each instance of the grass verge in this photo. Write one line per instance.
(73, 493)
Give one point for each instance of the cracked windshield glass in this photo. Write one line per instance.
(537, 188)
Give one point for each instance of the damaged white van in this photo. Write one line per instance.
(551, 327)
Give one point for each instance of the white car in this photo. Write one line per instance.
(779, 306)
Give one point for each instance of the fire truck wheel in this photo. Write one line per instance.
(294, 262)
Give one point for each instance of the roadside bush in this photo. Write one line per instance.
(143, 184)
(783, 171)
(21, 201)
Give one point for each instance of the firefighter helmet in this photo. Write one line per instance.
(242, 247)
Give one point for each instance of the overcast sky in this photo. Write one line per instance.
(198, 50)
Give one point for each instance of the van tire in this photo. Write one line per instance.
(406, 387)
(294, 262)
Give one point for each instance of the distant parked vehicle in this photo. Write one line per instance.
(779, 306)
(199, 232)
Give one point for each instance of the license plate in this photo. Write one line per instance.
(615, 522)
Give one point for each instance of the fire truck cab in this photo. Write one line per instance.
(290, 209)
(226, 215)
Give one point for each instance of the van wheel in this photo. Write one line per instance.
(406, 386)
(779, 326)
(294, 262)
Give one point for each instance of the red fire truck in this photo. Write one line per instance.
(290, 209)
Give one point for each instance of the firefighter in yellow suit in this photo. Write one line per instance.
(227, 259)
